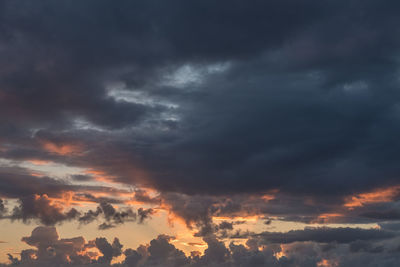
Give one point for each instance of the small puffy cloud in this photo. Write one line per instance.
(111, 216)
(42, 208)
(2, 207)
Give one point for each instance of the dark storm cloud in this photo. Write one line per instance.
(61, 73)
(287, 110)
(215, 98)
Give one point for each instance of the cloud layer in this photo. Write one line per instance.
(279, 110)
(358, 248)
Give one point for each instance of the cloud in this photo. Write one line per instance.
(2, 207)
(109, 250)
(16, 182)
(43, 209)
(326, 235)
(50, 212)
(296, 80)
(144, 214)
(111, 216)
(82, 178)
(162, 252)
(49, 250)
(144, 197)
(270, 108)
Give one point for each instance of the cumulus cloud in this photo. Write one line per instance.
(50, 250)
(108, 250)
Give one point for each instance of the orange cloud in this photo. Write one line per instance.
(281, 253)
(39, 162)
(268, 197)
(253, 218)
(62, 149)
(379, 195)
(70, 198)
(173, 218)
(36, 174)
(329, 215)
(100, 176)
(194, 244)
(327, 263)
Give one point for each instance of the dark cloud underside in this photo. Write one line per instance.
(283, 109)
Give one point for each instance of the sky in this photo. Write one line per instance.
(209, 133)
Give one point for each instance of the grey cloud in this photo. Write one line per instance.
(394, 226)
(109, 250)
(326, 235)
(227, 101)
(143, 196)
(16, 182)
(111, 216)
(50, 250)
(144, 214)
(161, 252)
(3, 208)
(288, 112)
(82, 178)
(114, 217)
(42, 209)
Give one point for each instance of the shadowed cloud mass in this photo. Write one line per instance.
(214, 114)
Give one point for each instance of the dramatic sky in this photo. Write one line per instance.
(197, 133)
